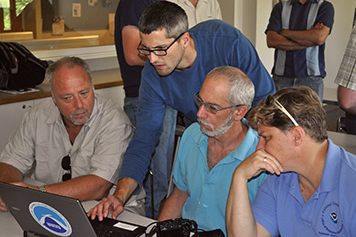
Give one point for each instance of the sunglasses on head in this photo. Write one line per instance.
(270, 100)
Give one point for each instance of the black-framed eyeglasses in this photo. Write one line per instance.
(209, 107)
(158, 52)
(269, 100)
(66, 166)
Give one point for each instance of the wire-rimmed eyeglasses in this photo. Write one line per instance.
(209, 107)
(271, 100)
(158, 52)
(66, 166)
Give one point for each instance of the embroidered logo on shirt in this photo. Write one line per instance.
(333, 217)
(330, 221)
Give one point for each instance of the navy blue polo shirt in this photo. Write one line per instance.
(305, 62)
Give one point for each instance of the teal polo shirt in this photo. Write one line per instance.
(208, 190)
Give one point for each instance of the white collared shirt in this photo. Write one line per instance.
(205, 10)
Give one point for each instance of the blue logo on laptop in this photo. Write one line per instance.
(50, 219)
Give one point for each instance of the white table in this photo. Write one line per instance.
(347, 141)
(10, 228)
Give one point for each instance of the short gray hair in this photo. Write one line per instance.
(70, 62)
(242, 90)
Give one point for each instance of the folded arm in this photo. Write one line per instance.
(296, 39)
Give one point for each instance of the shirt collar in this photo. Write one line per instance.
(243, 148)
(311, 1)
(331, 170)
(188, 2)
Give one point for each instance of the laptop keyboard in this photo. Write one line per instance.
(103, 232)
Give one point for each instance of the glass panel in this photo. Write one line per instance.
(58, 24)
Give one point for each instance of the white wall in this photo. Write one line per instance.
(337, 41)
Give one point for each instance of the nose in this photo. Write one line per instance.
(152, 57)
(201, 112)
(78, 103)
(261, 144)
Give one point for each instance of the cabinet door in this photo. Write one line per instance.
(10, 116)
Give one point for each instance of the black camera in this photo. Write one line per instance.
(178, 227)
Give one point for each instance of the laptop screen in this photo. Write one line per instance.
(46, 214)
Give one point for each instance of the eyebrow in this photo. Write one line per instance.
(216, 105)
(85, 89)
(156, 47)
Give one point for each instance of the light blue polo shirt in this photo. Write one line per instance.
(330, 211)
(208, 191)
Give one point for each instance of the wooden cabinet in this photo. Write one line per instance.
(11, 116)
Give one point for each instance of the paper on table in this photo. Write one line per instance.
(20, 92)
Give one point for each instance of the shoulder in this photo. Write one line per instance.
(193, 129)
(327, 4)
(192, 134)
(327, 8)
(108, 110)
(214, 28)
(44, 108)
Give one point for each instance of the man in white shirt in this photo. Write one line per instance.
(200, 10)
(73, 143)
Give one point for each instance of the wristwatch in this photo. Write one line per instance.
(42, 189)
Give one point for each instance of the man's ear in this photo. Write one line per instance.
(186, 39)
(298, 135)
(240, 112)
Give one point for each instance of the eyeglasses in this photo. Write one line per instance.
(66, 166)
(271, 100)
(209, 107)
(158, 52)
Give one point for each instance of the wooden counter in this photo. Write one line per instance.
(101, 79)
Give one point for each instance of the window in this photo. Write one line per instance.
(58, 24)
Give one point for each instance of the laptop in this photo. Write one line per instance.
(47, 215)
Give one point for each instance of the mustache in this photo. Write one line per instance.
(202, 121)
(80, 111)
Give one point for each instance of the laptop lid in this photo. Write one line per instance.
(47, 214)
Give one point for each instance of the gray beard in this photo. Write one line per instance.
(222, 129)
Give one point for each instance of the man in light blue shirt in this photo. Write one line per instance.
(211, 149)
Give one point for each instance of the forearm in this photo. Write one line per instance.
(347, 99)
(88, 187)
(239, 216)
(278, 41)
(124, 189)
(9, 173)
(173, 206)
(307, 38)
(130, 40)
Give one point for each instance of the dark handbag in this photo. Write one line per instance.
(19, 68)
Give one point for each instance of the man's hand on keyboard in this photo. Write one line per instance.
(109, 205)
